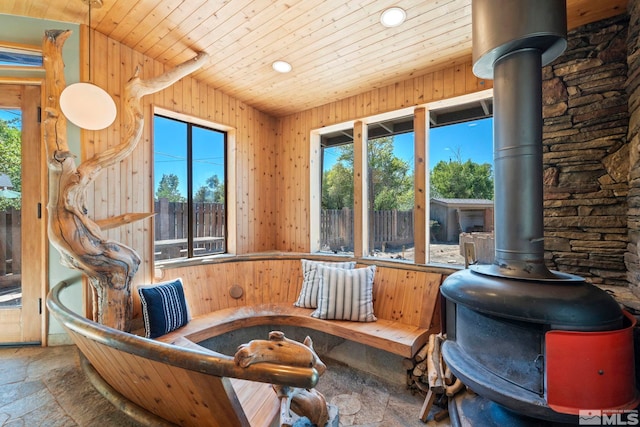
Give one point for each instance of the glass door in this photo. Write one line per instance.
(22, 239)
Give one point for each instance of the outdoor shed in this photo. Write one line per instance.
(455, 216)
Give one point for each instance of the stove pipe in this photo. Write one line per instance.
(517, 333)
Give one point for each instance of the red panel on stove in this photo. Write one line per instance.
(591, 370)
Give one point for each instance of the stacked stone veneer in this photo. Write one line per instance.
(586, 154)
(633, 90)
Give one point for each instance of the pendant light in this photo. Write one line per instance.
(84, 104)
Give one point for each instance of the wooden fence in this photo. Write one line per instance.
(388, 228)
(171, 228)
(10, 244)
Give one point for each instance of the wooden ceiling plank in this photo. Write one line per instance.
(111, 19)
(183, 28)
(136, 17)
(325, 60)
(165, 26)
(224, 20)
(318, 54)
(286, 42)
(258, 26)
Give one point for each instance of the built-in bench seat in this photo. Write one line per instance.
(393, 336)
(405, 301)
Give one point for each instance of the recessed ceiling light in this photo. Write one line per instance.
(393, 17)
(281, 66)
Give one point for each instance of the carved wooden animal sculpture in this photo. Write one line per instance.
(304, 402)
(109, 265)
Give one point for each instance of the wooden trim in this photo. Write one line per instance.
(21, 46)
(34, 81)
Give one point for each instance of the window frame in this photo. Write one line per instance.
(421, 114)
(229, 182)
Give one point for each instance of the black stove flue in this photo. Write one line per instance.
(498, 317)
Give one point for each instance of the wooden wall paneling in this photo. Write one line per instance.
(382, 299)
(402, 281)
(202, 102)
(459, 80)
(418, 90)
(448, 82)
(428, 87)
(438, 85)
(433, 281)
(471, 82)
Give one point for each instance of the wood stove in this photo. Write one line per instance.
(542, 343)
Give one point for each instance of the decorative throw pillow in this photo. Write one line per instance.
(308, 297)
(346, 294)
(164, 307)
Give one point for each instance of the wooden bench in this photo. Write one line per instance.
(173, 380)
(184, 384)
(405, 302)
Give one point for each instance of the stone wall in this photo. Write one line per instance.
(633, 90)
(586, 155)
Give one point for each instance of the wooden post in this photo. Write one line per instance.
(109, 265)
(421, 167)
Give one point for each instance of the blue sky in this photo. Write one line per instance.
(9, 114)
(170, 153)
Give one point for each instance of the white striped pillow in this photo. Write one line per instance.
(308, 297)
(346, 294)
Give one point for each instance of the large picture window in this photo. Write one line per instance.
(420, 196)
(189, 189)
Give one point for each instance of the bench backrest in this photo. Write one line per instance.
(401, 293)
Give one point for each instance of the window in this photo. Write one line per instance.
(15, 55)
(189, 189)
(390, 173)
(336, 215)
(457, 180)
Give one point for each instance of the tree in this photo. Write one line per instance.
(456, 179)
(11, 160)
(168, 188)
(212, 192)
(390, 180)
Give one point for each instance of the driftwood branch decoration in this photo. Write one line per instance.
(304, 402)
(109, 265)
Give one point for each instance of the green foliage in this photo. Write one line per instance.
(461, 180)
(168, 188)
(11, 160)
(212, 192)
(390, 178)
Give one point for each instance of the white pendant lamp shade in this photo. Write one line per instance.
(88, 106)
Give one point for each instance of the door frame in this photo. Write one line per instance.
(30, 318)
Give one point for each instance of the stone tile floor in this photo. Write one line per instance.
(46, 387)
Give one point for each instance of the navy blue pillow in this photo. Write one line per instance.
(164, 308)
